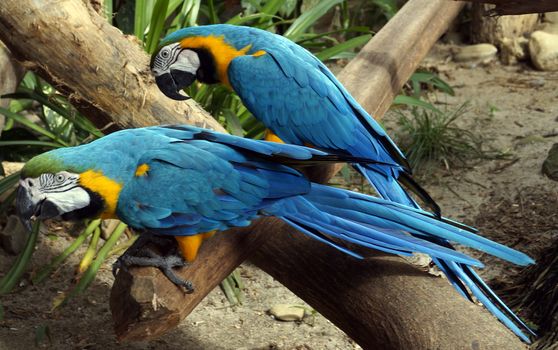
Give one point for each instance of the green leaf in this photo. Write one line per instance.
(9, 181)
(24, 121)
(308, 18)
(233, 123)
(189, 13)
(271, 7)
(144, 9)
(434, 80)
(42, 333)
(30, 143)
(107, 10)
(156, 26)
(240, 19)
(10, 280)
(343, 47)
(413, 101)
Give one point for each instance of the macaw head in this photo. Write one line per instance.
(50, 188)
(176, 68)
(196, 53)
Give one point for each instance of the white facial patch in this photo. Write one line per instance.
(61, 189)
(175, 57)
(73, 199)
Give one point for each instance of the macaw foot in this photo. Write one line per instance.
(140, 255)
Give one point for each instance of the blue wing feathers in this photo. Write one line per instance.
(219, 181)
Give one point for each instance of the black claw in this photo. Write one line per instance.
(139, 255)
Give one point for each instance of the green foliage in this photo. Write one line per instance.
(430, 136)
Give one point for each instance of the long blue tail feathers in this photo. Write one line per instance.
(383, 225)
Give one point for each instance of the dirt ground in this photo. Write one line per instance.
(514, 109)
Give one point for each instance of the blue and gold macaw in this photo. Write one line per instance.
(299, 100)
(186, 182)
(291, 91)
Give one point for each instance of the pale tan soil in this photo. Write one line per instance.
(527, 103)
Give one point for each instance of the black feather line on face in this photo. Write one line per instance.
(93, 210)
(207, 73)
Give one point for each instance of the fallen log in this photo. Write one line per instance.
(107, 76)
(518, 7)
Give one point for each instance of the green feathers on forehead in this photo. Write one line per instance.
(43, 163)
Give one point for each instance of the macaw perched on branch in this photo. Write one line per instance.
(183, 181)
(300, 100)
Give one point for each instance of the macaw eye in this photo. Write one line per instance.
(59, 178)
(165, 53)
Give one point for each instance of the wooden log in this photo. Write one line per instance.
(105, 73)
(381, 302)
(107, 76)
(518, 7)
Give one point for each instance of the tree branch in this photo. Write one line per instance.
(519, 7)
(107, 75)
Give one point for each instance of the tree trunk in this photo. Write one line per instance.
(108, 78)
(493, 30)
(10, 76)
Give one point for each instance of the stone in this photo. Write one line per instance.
(550, 164)
(476, 53)
(543, 49)
(14, 236)
(551, 17)
(286, 312)
(513, 50)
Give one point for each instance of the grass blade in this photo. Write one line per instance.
(91, 250)
(345, 46)
(9, 181)
(156, 26)
(30, 143)
(413, 101)
(47, 270)
(91, 272)
(22, 120)
(13, 276)
(308, 18)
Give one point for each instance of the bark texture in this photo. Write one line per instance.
(381, 301)
(10, 76)
(105, 73)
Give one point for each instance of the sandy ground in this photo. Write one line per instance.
(514, 109)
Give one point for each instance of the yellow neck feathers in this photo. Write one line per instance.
(108, 189)
(222, 52)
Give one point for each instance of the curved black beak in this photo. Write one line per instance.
(30, 208)
(171, 83)
(25, 207)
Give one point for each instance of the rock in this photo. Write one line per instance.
(513, 50)
(477, 53)
(550, 164)
(551, 17)
(289, 313)
(14, 235)
(543, 48)
(12, 167)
